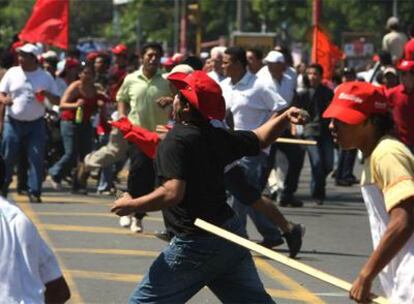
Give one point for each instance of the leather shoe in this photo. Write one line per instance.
(34, 198)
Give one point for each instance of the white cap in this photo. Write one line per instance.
(391, 70)
(50, 55)
(274, 57)
(30, 49)
(181, 68)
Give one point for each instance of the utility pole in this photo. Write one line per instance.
(176, 24)
(395, 8)
(240, 15)
(183, 23)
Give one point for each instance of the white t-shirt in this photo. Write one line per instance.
(250, 101)
(22, 87)
(285, 88)
(26, 262)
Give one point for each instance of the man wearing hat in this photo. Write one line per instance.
(22, 91)
(190, 184)
(275, 77)
(360, 119)
(395, 40)
(401, 99)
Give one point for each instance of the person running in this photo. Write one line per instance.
(189, 168)
(360, 120)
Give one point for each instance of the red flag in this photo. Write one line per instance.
(325, 52)
(49, 23)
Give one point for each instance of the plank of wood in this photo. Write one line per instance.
(323, 276)
(285, 140)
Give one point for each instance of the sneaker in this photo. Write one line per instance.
(55, 184)
(271, 243)
(294, 202)
(136, 225)
(125, 221)
(34, 198)
(163, 235)
(294, 239)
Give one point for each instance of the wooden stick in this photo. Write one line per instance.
(285, 140)
(323, 276)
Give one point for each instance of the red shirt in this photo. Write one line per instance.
(402, 105)
(89, 108)
(409, 50)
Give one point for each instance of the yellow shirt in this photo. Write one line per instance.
(141, 94)
(391, 168)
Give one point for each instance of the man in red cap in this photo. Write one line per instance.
(401, 99)
(360, 120)
(189, 168)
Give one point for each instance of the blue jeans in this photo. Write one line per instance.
(189, 263)
(77, 142)
(106, 176)
(256, 169)
(33, 135)
(346, 163)
(321, 161)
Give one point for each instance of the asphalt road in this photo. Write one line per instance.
(103, 262)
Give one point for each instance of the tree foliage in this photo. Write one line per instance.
(153, 20)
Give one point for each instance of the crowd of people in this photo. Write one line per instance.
(197, 136)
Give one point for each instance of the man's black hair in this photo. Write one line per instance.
(152, 45)
(383, 122)
(258, 53)
(317, 67)
(385, 58)
(237, 54)
(195, 113)
(195, 62)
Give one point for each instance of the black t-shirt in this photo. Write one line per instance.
(198, 154)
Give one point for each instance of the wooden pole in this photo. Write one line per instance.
(285, 140)
(320, 275)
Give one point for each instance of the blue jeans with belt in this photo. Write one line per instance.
(33, 135)
(256, 168)
(189, 263)
(77, 141)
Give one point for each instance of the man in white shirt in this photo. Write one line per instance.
(22, 92)
(395, 40)
(250, 103)
(274, 75)
(29, 272)
(216, 56)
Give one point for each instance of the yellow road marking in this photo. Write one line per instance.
(109, 251)
(107, 276)
(94, 229)
(135, 278)
(28, 210)
(269, 270)
(66, 199)
(93, 214)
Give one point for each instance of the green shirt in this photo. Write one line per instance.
(141, 94)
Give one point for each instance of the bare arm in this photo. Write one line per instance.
(123, 109)
(270, 130)
(169, 194)
(399, 230)
(5, 99)
(57, 291)
(69, 97)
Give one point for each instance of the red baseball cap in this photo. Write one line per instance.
(202, 92)
(355, 101)
(119, 49)
(406, 65)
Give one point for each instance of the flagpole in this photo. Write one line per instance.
(316, 15)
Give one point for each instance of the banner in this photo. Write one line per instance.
(49, 23)
(325, 52)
